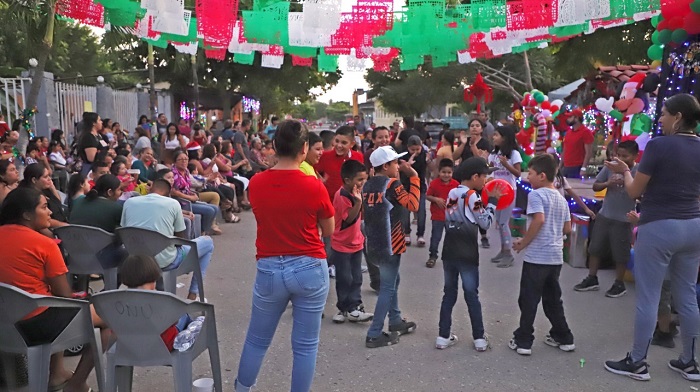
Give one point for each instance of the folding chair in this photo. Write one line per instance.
(138, 317)
(15, 304)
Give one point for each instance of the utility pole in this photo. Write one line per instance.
(152, 78)
(195, 80)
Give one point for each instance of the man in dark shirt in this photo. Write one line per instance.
(420, 164)
(408, 130)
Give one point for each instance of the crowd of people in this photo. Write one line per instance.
(349, 195)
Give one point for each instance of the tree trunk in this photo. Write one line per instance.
(152, 82)
(528, 72)
(38, 71)
(195, 80)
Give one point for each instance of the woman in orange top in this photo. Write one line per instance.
(34, 264)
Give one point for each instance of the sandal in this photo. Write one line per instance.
(235, 219)
(215, 230)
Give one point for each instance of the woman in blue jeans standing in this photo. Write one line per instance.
(669, 178)
(290, 208)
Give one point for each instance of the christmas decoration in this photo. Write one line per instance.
(480, 91)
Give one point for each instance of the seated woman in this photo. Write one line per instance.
(170, 142)
(78, 186)
(34, 264)
(38, 177)
(182, 189)
(211, 158)
(167, 175)
(215, 183)
(147, 164)
(9, 178)
(99, 207)
(257, 155)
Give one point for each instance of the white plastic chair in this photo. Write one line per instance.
(83, 244)
(148, 242)
(138, 317)
(15, 304)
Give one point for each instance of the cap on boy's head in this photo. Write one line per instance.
(384, 155)
(414, 141)
(471, 166)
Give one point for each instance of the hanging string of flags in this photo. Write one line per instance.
(371, 32)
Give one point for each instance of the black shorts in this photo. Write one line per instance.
(45, 327)
(612, 235)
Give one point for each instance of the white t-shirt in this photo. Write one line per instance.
(501, 171)
(547, 246)
(58, 158)
(562, 186)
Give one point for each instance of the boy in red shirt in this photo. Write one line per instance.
(331, 161)
(347, 243)
(437, 193)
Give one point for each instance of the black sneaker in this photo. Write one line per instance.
(635, 370)
(382, 340)
(485, 243)
(617, 290)
(663, 339)
(403, 328)
(590, 283)
(374, 285)
(689, 370)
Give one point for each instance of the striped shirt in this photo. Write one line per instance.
(547, 246)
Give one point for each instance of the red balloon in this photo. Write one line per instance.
(532, 102)
(545, 105)
(691, 23)
(506, 198)
(553, 108)
(663, 25)
(523, 138)
(676, 22)
(675, 8)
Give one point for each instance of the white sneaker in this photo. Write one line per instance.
(408, 240)
(339, 318)
(442, 343)
(548, 340)
(359, 315)
(482, 344)
(331, 271)
(522, 351)
(364, 268)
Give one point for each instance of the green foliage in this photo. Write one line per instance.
(304, 110)
(320, 108)
(337, 111)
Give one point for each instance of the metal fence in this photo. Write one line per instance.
(12, 97)
(72, 100)
(126, 109)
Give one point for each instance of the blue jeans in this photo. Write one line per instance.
(470, 284)
(388, 300)
(205, 248)
(435, 237)
(208, 213)
(420, 216)
(348, 279)
(304, 281)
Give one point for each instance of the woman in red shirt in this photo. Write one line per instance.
(290, 208)
(34, 264)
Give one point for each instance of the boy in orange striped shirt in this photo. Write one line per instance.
(384, 200)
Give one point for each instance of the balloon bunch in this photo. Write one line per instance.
(538, 110)
(678, 20)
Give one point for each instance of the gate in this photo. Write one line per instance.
(126, 110)
(72, 100)
(13, 97)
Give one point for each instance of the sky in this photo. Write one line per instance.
(346, 85)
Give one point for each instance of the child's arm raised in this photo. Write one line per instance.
(354, 211)
(408, 199)
(482, 214)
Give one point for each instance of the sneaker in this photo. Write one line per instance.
(498, 257)
(443, 343)
(520, 350)
(549, 340)
(663, 339)
(403, 328)
(689, 370)
(485, 243)
(506, 262)
(408, 240)
(339, 318)
(482, 344)
(617, 290)
(374, 286)
(331, 271)
(635, 370)
(385, 339)
(420, 242)
(590, 283)
(431, 262)
(364, 268)
(359, 315)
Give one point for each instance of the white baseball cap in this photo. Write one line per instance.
(384, 155)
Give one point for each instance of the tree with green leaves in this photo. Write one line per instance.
(338, 111)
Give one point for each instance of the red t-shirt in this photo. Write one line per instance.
(347, 236)
(574, 146)
(287, 205)
(329, 166)
(437, 188)
(3, 128)
(30, 261)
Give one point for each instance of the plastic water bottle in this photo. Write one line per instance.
(184, 340)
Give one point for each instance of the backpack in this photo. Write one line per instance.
(456, 221)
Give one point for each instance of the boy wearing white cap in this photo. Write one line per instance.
(385, 200)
